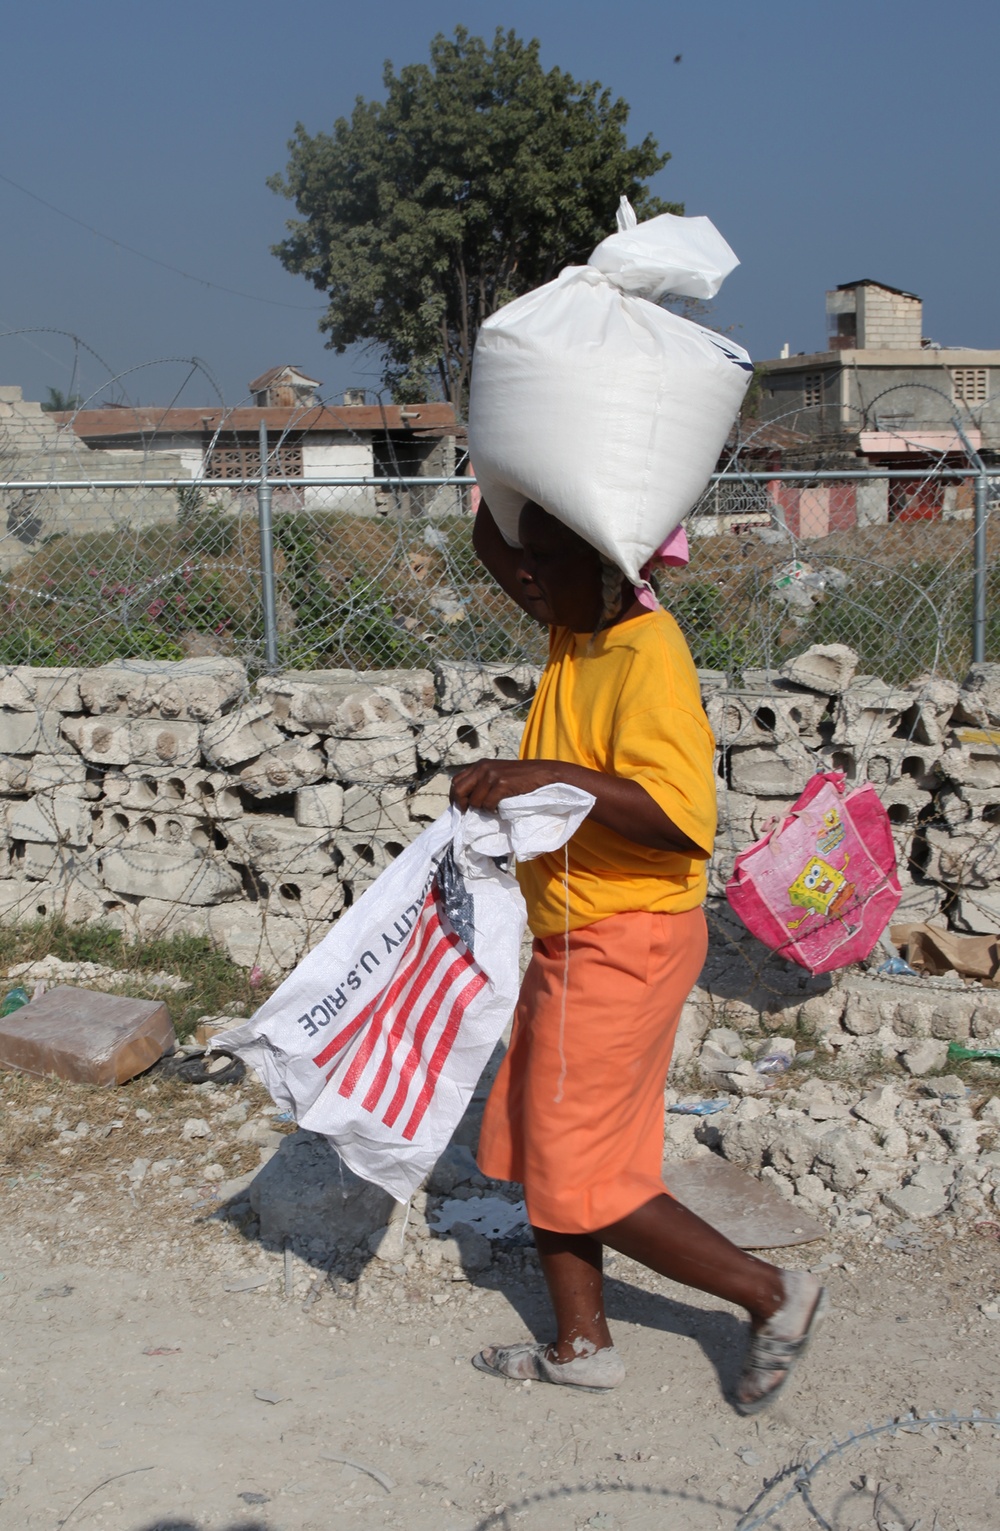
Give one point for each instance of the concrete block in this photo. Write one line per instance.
(48, 820)
(962, 860)
(307, 900)
(457, 740)
(284, 769)
(194, 791)
(921, 903)
(977, 911)
(307, 1192)
(320, 807)
(21, 899)
(240, 736)
(904, 802)
(144, 831)
(431, 799)
(32, 733)
(392, 757)
(777, 714)
(14, 774)
(898, 760)
(28, 687)
(730, 718)
(972, 761)
(929, 717)
(48, 771)
(868, 715)
(363, 856)
(826, 667)
(278, 847)
(348, 703)
(252, 937)
(111, 740)
(505, 734)
(171, 875)
(375, 810)
(779, 771)
(969, 808)
(199, 689)
(159, 918)
(465, 687)
(979, 698)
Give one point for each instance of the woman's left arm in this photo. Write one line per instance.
(620, 804)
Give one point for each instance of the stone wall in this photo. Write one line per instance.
(176, 798)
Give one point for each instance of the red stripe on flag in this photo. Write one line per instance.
(337, 1042)
(430, 1015)
(360, 1060)
(378, 1084)
(445, 1043)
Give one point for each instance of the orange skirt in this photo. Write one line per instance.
(576, 1113)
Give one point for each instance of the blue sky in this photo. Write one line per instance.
(827, 142)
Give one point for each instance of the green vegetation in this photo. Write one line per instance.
(477, 178)
(218, 987)
(352, 590)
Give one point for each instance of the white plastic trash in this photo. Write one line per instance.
(604, 408)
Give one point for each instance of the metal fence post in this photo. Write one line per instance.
(979, 572)
(978, 548)
(267, 557)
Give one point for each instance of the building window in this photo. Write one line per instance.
(813, 389)
(229, 460)
(970, 385)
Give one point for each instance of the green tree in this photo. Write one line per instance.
(478, 177)
(58, 401)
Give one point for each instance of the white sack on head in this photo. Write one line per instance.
(604, 408)
(379, 1036)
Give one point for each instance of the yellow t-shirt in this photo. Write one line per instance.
(627, 703)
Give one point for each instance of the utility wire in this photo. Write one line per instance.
(305, 308)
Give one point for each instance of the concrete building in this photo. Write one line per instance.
(880, 388)
(307, 440)
(880, 395)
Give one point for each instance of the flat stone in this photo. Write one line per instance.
(913, 1202)
(749, 1213)
(879, 1107)
(927, 1055)
(945, 1087)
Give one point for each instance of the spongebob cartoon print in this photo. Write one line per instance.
(820, 889)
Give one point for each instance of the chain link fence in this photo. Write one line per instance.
(380, 572)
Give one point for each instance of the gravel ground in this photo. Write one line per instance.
(160, 1369)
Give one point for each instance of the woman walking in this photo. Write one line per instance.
(576, 1113)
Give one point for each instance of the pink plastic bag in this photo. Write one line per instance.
(821, 886)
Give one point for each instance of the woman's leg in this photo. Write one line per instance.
(571, 1265)
(665, 1237)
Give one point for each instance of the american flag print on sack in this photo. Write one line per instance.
(389, 1058)
(377, 1039)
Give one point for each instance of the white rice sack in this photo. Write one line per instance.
(601, 406)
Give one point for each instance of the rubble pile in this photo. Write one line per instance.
(169, 798)
(176, 798)
(931, 748)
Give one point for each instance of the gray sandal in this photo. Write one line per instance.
(773, 1352)
(596, 1373)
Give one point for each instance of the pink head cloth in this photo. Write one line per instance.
(673, 552)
